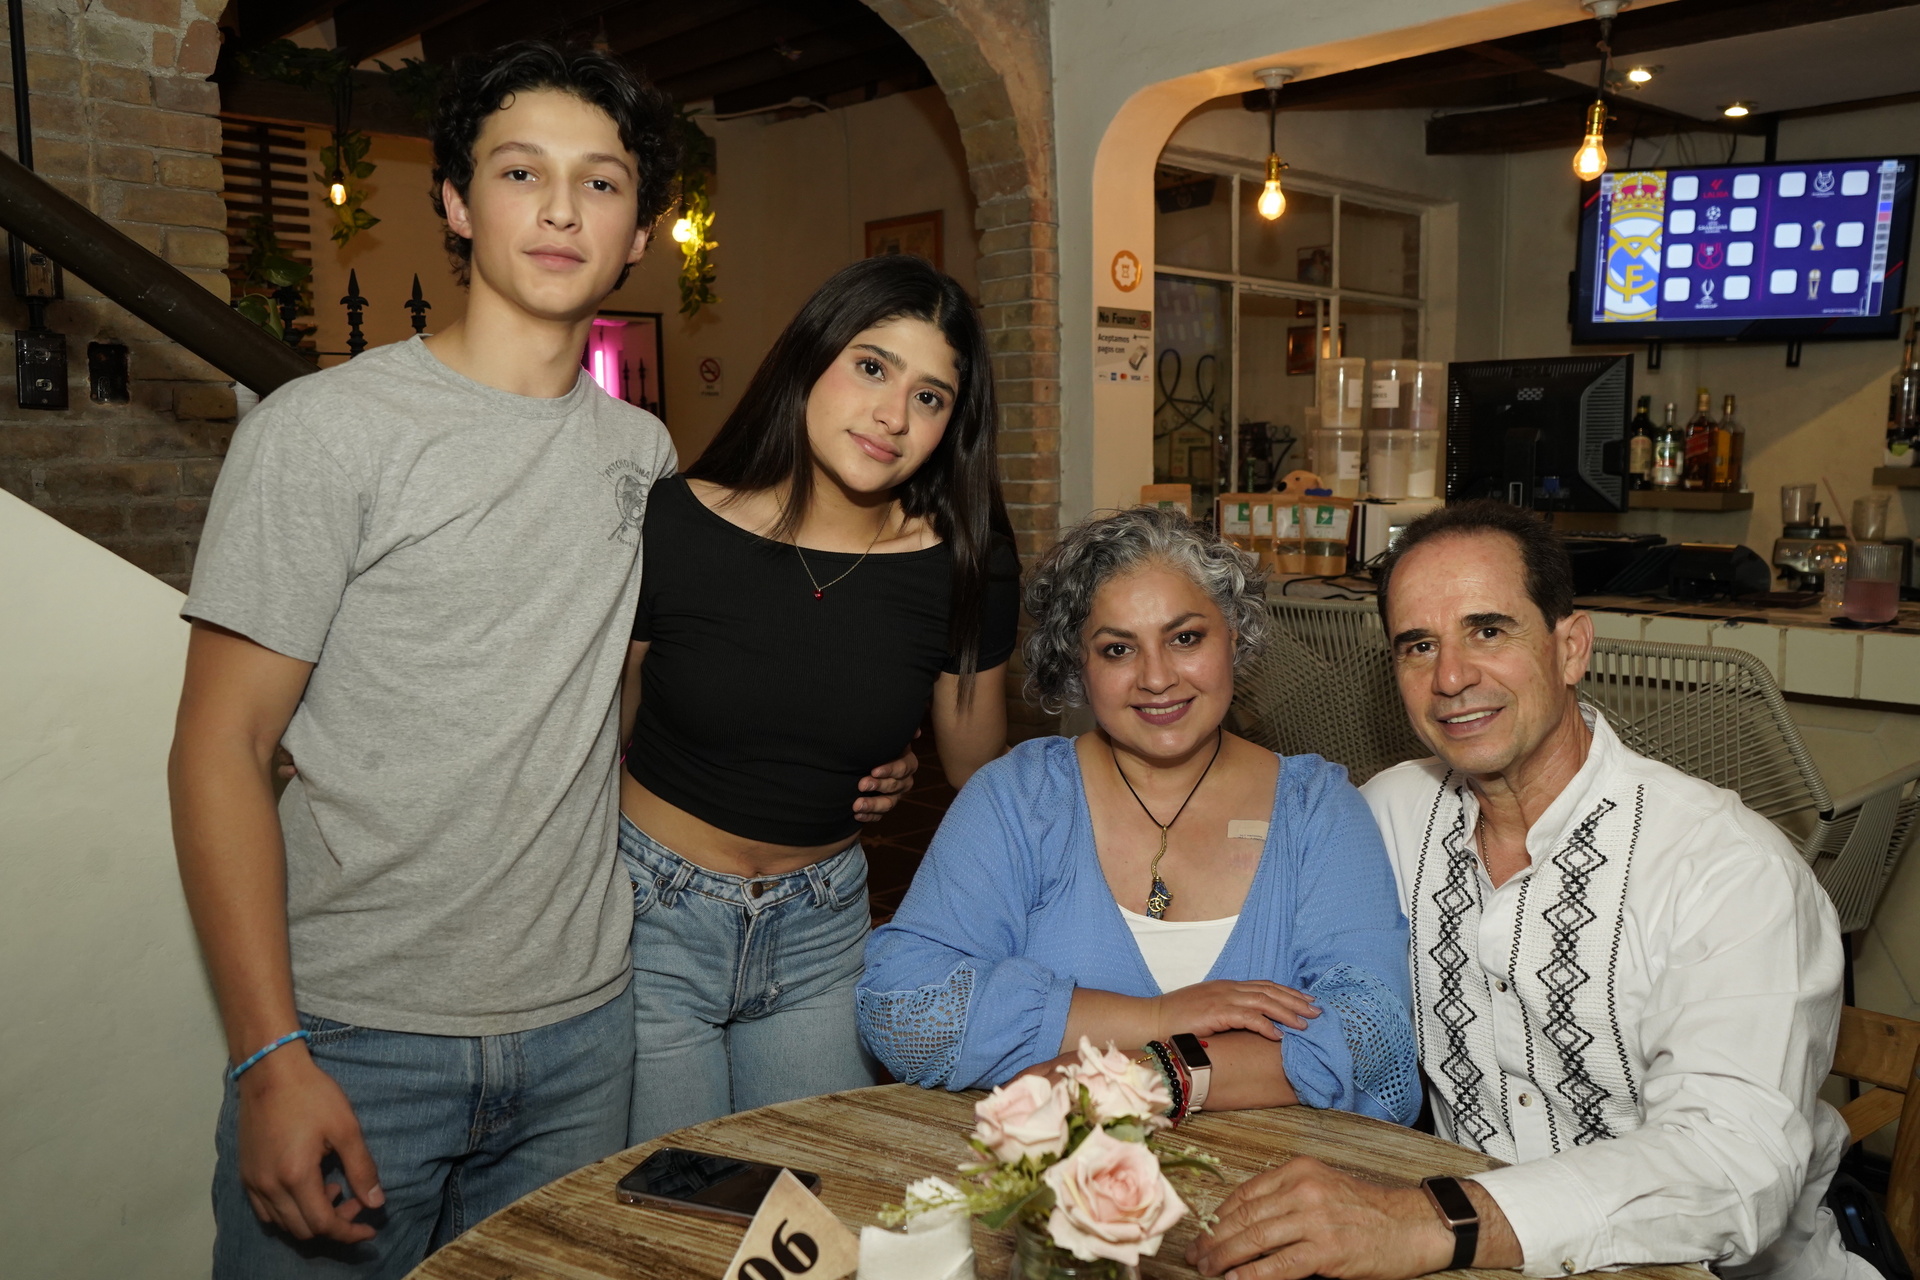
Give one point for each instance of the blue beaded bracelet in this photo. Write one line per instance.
(281, 1043)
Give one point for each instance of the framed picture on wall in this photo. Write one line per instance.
(1300, 354)
(1315, 264)
(626, 355)
(919, 234)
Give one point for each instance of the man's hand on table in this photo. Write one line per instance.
(1303, 1219)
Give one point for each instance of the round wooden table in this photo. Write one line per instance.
(867, 1145)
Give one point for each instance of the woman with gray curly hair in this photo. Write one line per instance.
(1156, 879)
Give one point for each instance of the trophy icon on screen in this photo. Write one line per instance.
(1823, 183)
(1706, 302)
(1813, 283)
(1819, 229)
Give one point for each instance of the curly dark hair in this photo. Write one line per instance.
(1106, 545)
(480, 85)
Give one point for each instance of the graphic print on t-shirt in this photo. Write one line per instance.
(629, 499)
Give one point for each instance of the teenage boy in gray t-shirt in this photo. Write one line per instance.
(411, 571)
(420, 569)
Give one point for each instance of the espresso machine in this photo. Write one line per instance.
(1807, 543)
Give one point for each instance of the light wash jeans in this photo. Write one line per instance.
(458, 1126)
(742, 989)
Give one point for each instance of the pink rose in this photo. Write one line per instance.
(1111, 1201)
(1024, 1117)
(1119, 1088)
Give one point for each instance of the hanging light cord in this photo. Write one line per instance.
(1605, 45)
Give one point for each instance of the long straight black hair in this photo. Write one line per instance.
(763, 443)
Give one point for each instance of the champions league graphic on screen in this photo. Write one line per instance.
(1781, 241)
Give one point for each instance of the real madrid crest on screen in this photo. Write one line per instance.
(1633, 243)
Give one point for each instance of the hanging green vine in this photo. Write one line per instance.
(417, 84)
(347, 159)
(344, 165)
(268, 275)
(697, 271)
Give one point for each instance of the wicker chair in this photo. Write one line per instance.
(1325, 684)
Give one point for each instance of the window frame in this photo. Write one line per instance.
(1328, 296)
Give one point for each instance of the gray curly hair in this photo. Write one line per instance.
(1060, 590)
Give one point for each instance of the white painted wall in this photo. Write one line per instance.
(1126, 73)
(110, 1050)
(792, 200)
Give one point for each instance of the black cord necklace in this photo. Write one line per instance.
(1158, 899)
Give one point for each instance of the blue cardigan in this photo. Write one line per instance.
(1010, 912)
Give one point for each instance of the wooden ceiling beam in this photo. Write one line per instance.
(376, 107)
(362, 28)
(752, 37)
(1537, 126)
(882, 65)
(258, 22)
(1667, 26)
(497, 22)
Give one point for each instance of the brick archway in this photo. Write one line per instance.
(991, 59)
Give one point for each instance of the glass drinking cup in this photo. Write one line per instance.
(1869, 522)
(1873, 583)
(1796, 503)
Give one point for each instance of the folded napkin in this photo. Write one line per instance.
(937, 1244)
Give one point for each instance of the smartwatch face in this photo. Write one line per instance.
(1191, 1050)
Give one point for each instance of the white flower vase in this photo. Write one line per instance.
(1037, 1257)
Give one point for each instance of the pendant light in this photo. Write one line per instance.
(1273, 201)
(1590, 161)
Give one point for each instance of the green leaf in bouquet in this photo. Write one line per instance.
(1039, 1200)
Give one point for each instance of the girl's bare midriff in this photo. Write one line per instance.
(706, 845)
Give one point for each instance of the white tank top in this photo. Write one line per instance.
(1179, 953)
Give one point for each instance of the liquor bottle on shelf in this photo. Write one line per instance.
(1729, 445)
(1669, 454)
(1697, 470)
(1903, 408)
(1640, 447)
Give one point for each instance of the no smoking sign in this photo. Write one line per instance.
(709, 377)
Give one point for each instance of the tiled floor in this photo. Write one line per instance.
(895, 844)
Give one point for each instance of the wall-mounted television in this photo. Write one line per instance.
(1747, 252)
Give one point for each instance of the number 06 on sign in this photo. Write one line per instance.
(794, 1235)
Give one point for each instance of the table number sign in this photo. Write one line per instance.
(794, 1235)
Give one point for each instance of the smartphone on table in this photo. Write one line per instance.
(699, 1182)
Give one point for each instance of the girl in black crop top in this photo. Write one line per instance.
(836, 561)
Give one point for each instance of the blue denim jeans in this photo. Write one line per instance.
(742, 989)
(458, 1126)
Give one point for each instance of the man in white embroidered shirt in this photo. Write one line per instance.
(1626, 983)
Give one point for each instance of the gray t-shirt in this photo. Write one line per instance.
(461, 565)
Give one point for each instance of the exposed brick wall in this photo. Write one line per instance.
(991, 58)
(125, 121)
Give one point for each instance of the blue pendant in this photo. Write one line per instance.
(1159, 900)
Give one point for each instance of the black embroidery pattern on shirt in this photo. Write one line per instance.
(1613, 957)
(1454, 899)
(1563, 976)
(1413, 913)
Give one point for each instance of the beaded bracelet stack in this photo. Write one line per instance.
(1179, 1086)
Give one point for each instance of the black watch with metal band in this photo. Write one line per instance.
(1457, 1211)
